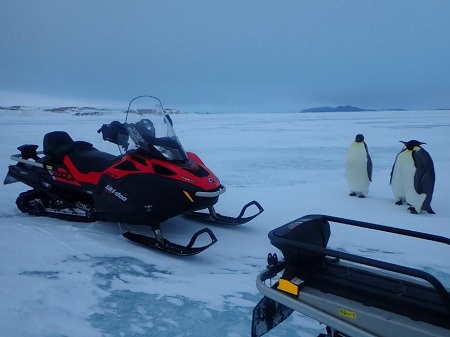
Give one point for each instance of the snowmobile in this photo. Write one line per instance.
(352, 295)
(148, 183)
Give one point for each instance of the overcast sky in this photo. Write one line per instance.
(234, 55)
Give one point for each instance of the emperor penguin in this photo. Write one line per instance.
(358, 168)
(413, 177)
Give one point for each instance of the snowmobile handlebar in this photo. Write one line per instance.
(116, 133)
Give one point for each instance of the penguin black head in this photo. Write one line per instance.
(359, 138)
(411, 144)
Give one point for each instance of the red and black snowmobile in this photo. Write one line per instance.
(146, 185)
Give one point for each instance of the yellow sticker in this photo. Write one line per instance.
(288, 286)
(347, 313)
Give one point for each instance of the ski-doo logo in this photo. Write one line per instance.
(187, 179)
(112, 190)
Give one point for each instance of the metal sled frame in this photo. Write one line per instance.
(18, 158)
(357, 296)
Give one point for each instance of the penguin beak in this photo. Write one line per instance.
(405, 146)
(411, 144)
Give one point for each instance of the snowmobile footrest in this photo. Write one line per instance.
(170, 247)
(214, 217)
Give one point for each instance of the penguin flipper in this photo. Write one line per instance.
(369, 163)
(369, 166)
(424, 178)
(393, 166)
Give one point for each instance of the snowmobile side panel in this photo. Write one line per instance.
(146, 199)
(90, 178)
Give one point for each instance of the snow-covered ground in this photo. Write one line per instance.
(69, 279)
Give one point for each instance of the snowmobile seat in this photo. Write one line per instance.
(56, 145)
(87, 158)
(83, 155)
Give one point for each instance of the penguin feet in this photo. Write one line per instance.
(357, 194)
(412, 210)
(399, 202)
(430, 210)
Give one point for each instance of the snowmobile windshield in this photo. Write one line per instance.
(151, 129)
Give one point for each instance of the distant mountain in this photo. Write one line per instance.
(12, 108)
(340, 108)
(77, 111)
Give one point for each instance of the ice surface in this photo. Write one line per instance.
(68, 279)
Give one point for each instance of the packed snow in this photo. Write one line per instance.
(59, 278)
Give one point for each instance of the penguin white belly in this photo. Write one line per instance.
(356, 169)
(397, 181)
(408, 170)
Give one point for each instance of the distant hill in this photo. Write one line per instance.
(340, 108)
(78, 111)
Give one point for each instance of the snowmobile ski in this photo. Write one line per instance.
(214, 217)
(350, 294)
(167, 246)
